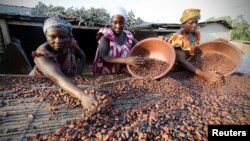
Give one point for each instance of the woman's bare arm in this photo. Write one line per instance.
(53, 72)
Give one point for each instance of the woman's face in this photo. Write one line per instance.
(117, 24)
(191, 25)
(58, 38)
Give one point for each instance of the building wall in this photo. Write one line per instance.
(212, 31)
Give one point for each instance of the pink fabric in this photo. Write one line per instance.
(68, 65)
(115, 51)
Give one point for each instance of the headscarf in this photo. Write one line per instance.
(57, 22)
(120, 11)
(189, 13)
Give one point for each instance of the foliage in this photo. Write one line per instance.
(89, 17)
(132, 21)
(241, 30)
(240, 27)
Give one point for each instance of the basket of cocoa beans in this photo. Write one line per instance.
(218, 56)
(159, 58)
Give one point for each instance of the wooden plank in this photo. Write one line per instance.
(15, 122)
(5, 32)
(25, 23)
(14, 114)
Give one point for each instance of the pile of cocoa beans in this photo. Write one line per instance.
(213, 62)
(151, 68)
(179, 106)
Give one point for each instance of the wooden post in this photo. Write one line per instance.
(5, 32)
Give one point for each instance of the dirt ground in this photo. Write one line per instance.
(178, 106)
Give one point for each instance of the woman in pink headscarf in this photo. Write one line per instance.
(61, 57)
(114, 44)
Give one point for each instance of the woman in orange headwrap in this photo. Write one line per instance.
(186, 39)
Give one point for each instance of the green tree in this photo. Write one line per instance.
(132, 21)
(98, 16)
(40, 9)
(240, 29)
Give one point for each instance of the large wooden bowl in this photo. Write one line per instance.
(154, 48)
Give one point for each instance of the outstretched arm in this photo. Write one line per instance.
(53, 72)
(181, 59)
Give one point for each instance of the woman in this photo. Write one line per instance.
(114, 44)
(186, 39)
(60, 57)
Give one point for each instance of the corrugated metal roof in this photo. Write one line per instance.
(159, 26)
(15, 10)
(163, 26)
(223, 22)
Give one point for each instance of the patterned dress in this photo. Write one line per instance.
(66, 62)
(115, 51)
(186, 42)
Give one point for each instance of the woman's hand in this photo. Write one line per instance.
(134, 60)
(209, 76)
(89, 102)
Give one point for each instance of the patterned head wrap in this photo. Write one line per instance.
(57, 22)
(189, 13)
(120, 11)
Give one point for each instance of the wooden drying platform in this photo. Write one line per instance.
(180, 113)
(22, 118)
(31, 117)
(26, 117)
